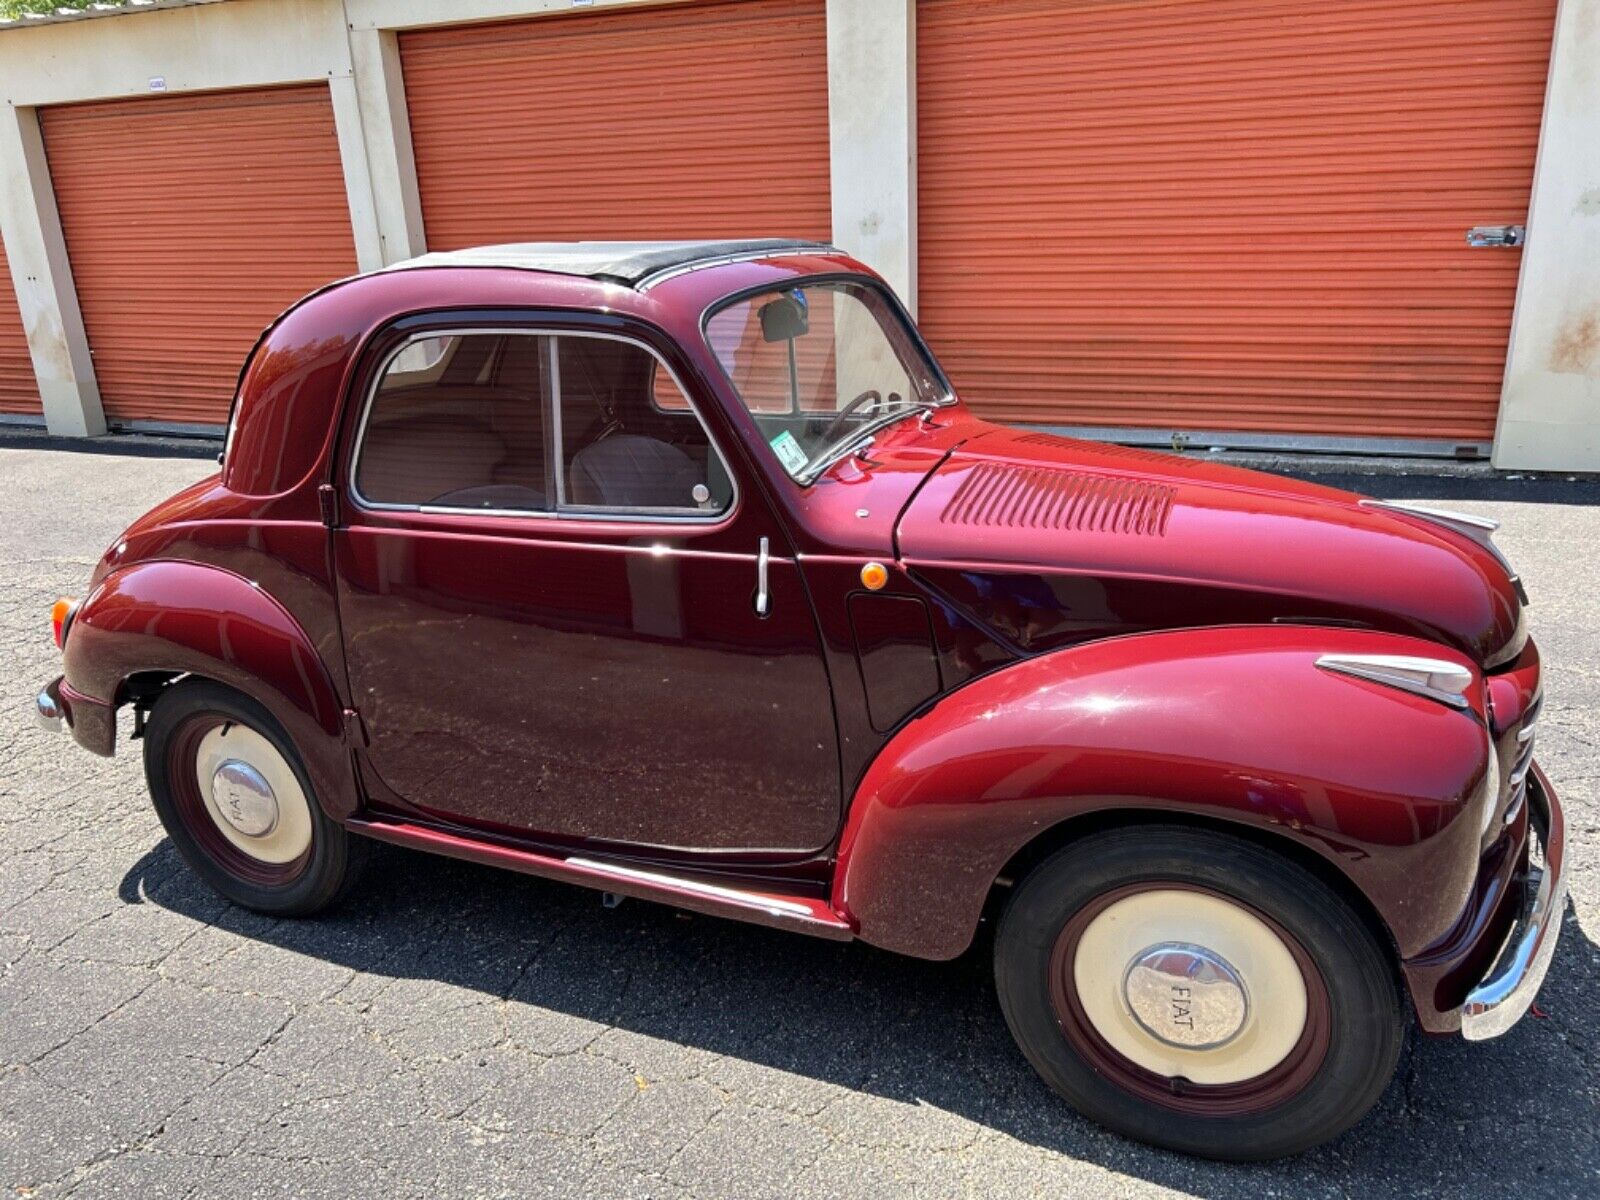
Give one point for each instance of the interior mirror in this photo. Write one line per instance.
(785, 318)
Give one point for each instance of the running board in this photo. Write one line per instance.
(799, 913)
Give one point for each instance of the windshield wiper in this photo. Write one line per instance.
(857, 442)
(841, 451)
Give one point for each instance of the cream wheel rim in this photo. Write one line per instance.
(252, 794)
(1189, 985)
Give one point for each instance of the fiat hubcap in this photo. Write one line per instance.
(1186, 995)
(1189, 985)
(244, 798)
(252, 795)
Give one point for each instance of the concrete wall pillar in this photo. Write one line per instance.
(1550, 400)
(46, 295)
(390, 171)
(872, 121)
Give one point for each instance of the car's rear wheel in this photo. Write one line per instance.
(1198, 992)
(234, 797)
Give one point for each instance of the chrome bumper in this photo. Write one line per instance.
(1507, 992)
(48, 709)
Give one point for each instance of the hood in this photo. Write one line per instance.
(1049, 541)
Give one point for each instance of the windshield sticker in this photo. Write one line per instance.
(789, 453)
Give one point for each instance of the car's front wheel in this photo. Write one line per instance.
(234, 797)
(1198, 992)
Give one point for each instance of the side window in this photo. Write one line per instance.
(458, 421)
(629, 439)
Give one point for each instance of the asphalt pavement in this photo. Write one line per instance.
(457, 1031)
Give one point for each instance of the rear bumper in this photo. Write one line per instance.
(1507, 991)
(92, 723)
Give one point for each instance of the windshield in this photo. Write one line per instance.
(820, 368)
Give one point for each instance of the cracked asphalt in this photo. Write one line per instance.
(456, 1031)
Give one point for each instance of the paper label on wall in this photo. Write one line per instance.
(788, 451)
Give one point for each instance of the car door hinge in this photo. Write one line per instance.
(328, 501)
(355, 729)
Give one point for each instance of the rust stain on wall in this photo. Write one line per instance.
(1577, 346)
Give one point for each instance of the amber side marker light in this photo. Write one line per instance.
(60, 616)
(874, 575)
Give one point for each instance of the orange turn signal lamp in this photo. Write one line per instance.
(60, 618)
(873, 576)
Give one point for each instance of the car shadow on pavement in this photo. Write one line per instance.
(1516, 1113)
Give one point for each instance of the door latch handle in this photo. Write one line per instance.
(763, 601)
(1497, 235)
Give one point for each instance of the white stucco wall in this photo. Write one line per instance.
(872, 111)
(1550, 401)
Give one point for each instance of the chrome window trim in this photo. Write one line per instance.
(846, 278)
(561, 512)
(646, 282)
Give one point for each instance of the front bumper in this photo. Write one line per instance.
(92, 723)
(1507, 991)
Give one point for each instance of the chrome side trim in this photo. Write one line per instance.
(1434, 678)
(774, 906)
(1508, 990)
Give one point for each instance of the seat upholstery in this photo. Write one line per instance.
(627, 470)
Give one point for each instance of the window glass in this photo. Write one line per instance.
(819, 367)
(457, 421)
(629, 439)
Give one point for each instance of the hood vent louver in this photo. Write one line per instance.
(1003, 494)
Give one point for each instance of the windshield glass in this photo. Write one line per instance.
(820, 368)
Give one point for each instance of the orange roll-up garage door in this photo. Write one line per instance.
(685, 121)
(191, 221)
(1238, 215)
(18, 391)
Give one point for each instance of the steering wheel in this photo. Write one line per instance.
(870, 396)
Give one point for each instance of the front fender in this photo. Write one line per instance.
(1231, 724)
(193, 618)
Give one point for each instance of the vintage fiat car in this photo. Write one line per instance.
(678, 570)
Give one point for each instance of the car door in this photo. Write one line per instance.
(550, 591)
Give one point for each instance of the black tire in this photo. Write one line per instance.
(317, 878)
(1348, 1050)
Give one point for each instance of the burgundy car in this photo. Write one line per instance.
(678, 570)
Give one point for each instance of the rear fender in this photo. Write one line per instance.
(192, 618)
(1227, 724)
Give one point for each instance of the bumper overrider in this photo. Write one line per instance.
(1507, 991)
(92, 723)
(49, 708)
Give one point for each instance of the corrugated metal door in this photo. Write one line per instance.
(19, 393)
(191, 221)
(1241, 215)
(704, 120)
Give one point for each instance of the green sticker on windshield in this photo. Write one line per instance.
(789, 453)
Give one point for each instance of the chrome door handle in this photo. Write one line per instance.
(1496, 235)
(763, 601)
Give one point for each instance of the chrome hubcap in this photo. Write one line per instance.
(244, 798)
(252, 795)
(1186, 995)
(1161, 978)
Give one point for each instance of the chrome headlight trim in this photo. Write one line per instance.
(1435, 678)
(1479, 529)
